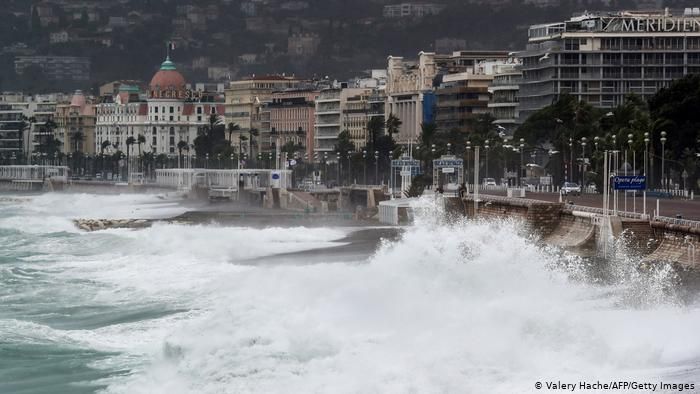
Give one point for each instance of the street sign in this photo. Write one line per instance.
(448, 170)
(630, 182)
(405, 163)
(292, 162)
(448, 163)
(405, 173)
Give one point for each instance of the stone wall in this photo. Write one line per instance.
(578, 231)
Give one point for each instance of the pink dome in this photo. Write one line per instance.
(167, 79)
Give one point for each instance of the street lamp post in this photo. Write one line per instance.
(364, 161)
(468, 148)
(325, 167)
(634, 171)
(486, 148)
(520, 169)
(584, 142)
(337, 168)
(349, 169)
(569, 170)
(376, 167)
(664, 182)
(646, 156)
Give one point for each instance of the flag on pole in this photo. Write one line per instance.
(170, 48)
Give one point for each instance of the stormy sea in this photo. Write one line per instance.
(441, 306)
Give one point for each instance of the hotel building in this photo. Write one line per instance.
(167, 114)
(600, 58)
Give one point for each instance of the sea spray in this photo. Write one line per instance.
(459, 307)
(451, 306)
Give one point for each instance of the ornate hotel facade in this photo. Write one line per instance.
(167, 114)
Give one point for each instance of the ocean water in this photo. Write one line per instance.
(448, 307)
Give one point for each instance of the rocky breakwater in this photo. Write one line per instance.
(104, 224)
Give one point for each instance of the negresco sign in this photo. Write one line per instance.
(660, 24)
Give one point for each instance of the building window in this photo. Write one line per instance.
(172, 110)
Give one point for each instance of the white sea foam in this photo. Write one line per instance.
(459, 307)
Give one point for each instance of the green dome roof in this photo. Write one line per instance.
(168, 65)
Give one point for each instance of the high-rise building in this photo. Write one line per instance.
(503, 104)
(600, 58)
(341, 109)
(11, 133)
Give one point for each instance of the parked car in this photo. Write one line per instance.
(570, 188)
(489, 182)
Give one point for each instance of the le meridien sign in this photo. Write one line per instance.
(660, 24)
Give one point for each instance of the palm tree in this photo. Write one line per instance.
(392, 125)
(77, 138)
(374, 129)
(232, 127)
(253, 132)
(104, 145)
(148, 158)
(140, 140)
(129, 142)
(181, 145)
(427, 134)
(49, 127)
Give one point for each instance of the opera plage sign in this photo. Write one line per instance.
(651, 25)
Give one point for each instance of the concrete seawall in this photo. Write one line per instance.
(577, 230)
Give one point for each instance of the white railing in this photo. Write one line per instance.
(680, 222)
(252, 179)
(34, 173)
